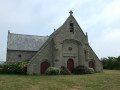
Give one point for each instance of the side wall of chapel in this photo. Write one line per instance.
(14, 56)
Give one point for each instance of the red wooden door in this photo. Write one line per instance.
(70, 65)
(44, 66)
(91, 64)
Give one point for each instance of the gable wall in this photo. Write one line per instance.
(77, 37)
(56, 51)
(64, 34)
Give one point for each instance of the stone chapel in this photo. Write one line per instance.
(67, 46)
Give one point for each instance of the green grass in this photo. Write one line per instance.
(108, 80)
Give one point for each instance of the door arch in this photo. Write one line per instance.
(70, 65)
(44, 66)
(91, 64)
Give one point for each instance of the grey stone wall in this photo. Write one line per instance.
(93, 57)
(64, 39)
(19, 56)
(46, 54)
(70, 54)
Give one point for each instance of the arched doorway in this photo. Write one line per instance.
(70, 65)
(44, 66)
(91, 64)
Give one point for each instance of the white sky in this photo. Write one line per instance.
(100, 18)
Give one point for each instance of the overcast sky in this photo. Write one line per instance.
(100, 18)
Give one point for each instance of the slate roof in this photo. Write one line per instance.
(25, 42)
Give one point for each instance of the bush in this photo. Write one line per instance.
(17, 68)
(64, 71)
(52, 71)
(90, 71)
(80, 69)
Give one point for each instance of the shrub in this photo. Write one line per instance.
(16, 68)
(80, 69)
(90, 71)
(52, 71)
(64, 71)
(24, 68)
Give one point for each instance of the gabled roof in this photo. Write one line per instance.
(25, 42)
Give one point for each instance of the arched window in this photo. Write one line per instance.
(71, 27)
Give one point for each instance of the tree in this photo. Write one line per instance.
(111, 62)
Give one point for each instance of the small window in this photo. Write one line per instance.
(19, 55)
(70, 48)
(71, 27)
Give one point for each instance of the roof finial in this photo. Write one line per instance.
(71, 12)
(8, 32)
(54, 31)
(87, 36)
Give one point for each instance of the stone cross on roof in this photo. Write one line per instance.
(71, 12)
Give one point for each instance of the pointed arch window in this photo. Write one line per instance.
(71, 27)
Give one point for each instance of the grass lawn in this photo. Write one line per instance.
(108, 80)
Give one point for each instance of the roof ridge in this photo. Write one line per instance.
(28, 35)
